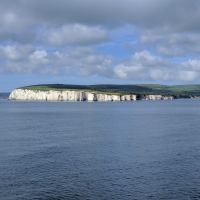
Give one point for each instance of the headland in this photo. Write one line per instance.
(104, 92)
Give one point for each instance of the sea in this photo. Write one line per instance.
(133, 150)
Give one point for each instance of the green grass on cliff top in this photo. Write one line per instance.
(124, 89)
(61, 87)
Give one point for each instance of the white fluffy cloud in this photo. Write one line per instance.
(79, 61)
(84, 61)
(172, 44)
(39, 57)
(15, 53)
(144, 66)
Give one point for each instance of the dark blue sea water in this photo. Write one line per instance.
(115, 150)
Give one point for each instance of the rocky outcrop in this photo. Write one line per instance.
(66, 95)
(158, 97)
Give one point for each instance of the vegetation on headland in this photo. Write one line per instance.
(141, 90)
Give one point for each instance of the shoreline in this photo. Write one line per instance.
(77, 95)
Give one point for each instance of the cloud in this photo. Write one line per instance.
(60, 37)
(85, 62)
(39, 57)
(79, 61)
(76, 34)
(171, 44)
(144, 66)
(192, 64)
(15, 53)
(172, 16)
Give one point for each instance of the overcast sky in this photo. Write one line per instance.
(95, 42)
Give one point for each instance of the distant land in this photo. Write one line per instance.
(140, 90)
(4, 95)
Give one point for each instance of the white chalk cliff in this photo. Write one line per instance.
(158, 97)
(66, 95)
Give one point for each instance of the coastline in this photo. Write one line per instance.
(72, 95)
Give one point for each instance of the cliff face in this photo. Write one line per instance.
(67, 95)
(158, 97)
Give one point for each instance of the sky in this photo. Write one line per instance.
(99, 42)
